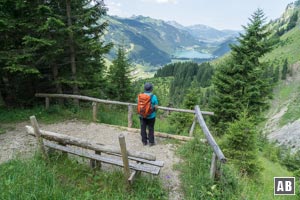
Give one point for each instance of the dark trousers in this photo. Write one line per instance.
(150, 124)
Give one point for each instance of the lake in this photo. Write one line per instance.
(192, 54)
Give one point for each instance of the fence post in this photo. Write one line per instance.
(37, 132)
(211, 141)
(213, 166)
(47, 102)
(95, 108)
(130, 114)
(124, 157)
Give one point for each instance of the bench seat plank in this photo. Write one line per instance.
(138, 167)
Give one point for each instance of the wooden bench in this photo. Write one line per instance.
(98, 153)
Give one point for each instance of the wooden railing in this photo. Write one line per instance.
(217, 152)
(97, 153)
(96, 101)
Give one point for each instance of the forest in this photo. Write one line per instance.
(59, 47)
(53, 47)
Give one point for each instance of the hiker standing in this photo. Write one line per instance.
(147, 106)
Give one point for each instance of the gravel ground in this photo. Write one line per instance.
(16, 142)
(288, 135)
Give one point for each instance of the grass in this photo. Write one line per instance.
(195, 180)
(108, 114)
(2, 130)
(196, 183)
(66, 179)
(54, 114)
(288, 47)
(263, 187)
(63, 178)
(293, 112)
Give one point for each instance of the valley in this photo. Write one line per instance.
(156, 42)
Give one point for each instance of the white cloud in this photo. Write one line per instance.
(162, 1)
(167, 1)
(114, 4)
(115, 8)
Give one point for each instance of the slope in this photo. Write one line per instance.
(282, 123)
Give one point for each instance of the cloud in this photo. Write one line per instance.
(114, 4)
(162, 1)
(115, 8)
(166, 1)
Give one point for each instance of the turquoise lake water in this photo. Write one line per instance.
(192, 54)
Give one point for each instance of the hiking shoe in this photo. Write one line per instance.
(151, 144)
(145, 143)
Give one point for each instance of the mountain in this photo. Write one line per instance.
(283, 121)
(208, 34)
(224, 47)
(157, 42)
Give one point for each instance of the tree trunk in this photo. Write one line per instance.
(9, 94)
(72, 52)
(2, 103)
(57, 83)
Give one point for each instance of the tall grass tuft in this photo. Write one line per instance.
(64, 178)
(195, 178)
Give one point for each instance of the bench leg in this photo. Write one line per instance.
(94, 164)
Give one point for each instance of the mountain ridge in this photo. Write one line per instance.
(157, 42)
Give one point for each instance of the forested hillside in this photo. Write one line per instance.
(186, 75)
(156, 42)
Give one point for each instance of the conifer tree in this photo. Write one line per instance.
(119, 80)
(276, 75)
(239, 82)
(240, 145)
(17, 71)
(284, 70)
(38, 54)
(293, 21)
(84, 47)
(183, 121)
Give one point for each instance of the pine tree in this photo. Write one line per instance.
(182, 121)
(276, 75)
(85, 28)
(46, 47)
(119, 80)
(240, 145)
(293, 21)
(42, 50)
(17, 70)
(239, 82)
(284, 70)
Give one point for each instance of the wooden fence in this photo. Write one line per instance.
(143, 162)
(217, 152)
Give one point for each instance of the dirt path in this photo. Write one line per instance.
(16, 142)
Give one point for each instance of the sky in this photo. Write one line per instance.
(219, 14)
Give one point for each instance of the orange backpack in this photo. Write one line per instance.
(144, 107)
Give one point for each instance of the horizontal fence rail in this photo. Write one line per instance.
(85, 98)
(217, 152)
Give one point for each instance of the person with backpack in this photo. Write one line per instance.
(146, 108)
